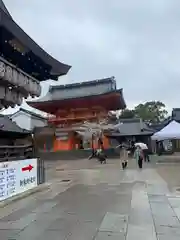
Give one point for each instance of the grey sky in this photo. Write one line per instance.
(137, 41)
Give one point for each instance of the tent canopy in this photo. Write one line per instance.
(171, 131)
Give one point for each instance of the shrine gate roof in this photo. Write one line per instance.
(100, 92)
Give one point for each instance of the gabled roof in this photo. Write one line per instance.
(108, 80)
(7, 125)
(111, 101)
(49, 98)
(84, 87)
(100, 92)
(133, 127)
(28, 112)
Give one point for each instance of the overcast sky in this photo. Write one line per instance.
(137, 41)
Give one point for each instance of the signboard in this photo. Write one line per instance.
(17, 177)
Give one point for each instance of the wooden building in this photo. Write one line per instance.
(132, 130)
(28, 119)
(73, 104)
(15, 142)
(23, 64)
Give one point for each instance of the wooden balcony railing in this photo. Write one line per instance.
(77, 118)
(9, 153)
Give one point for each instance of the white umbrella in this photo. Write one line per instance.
(141, 145)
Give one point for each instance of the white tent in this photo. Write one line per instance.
(171, 131)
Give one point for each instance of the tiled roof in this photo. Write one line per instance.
(4, 9)
(82, 84)
(7, 125)
(85, 89)
(28, 112)
(133, 127)
(102, 92)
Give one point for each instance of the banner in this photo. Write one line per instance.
(17, 177)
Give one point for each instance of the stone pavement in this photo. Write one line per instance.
(97, 202)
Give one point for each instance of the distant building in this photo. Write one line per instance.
(175, 115)
(74, 104)
(133, 129)
(28, 120)
(159, 126)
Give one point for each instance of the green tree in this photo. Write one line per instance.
(153, 111)
(127, 113)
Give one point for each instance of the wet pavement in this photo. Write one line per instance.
(89, 201)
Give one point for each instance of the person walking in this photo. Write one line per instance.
(93, 150)
(93, 154)
(146, 155)
(138, 155)
(101, 156)
(145, 151)
(124, 156)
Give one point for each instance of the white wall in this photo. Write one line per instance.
(27, 121)
(23, 120)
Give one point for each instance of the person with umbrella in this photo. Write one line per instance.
(145, 150)
(138, 155)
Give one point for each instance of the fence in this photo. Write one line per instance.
(40, 171)
(10, 153)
